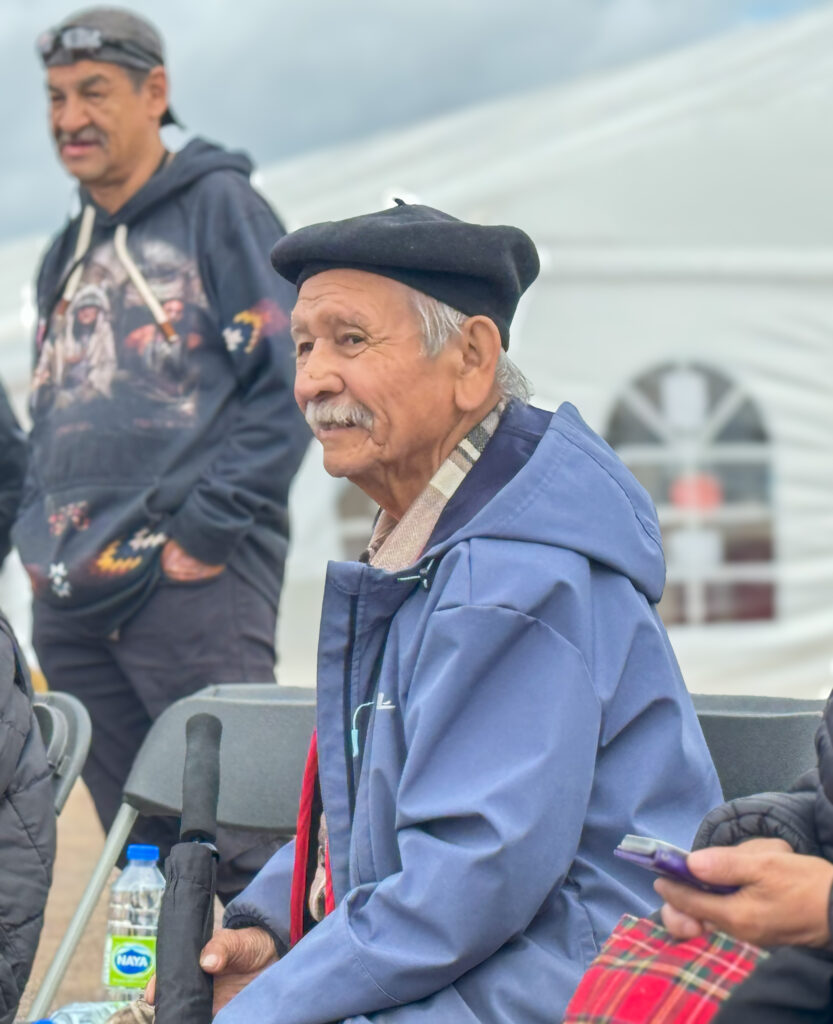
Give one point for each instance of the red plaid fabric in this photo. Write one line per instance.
(643, 976)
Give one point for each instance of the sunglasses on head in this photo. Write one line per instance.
(79, 39)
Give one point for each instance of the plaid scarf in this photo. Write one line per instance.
(396, 544)
(642, 974)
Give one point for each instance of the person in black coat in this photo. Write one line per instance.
(12, 470)
(27, 826)
(778, 848)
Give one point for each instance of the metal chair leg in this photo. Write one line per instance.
(116, 838)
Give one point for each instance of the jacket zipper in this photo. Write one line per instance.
(355, 725)
(346, 707)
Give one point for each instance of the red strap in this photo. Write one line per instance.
(298, 896)
(329, 898)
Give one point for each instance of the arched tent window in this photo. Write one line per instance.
(698, 444)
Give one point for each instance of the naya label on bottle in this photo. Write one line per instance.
(131, 961)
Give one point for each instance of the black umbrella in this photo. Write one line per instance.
(184, 992)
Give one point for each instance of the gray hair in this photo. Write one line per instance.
(440, 322)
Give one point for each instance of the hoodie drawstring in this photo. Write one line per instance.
(141, 285)
(82, 244)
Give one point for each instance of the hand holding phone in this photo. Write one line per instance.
(666, 860)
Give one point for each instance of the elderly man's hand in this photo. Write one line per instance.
(234, 957)
(783, 896)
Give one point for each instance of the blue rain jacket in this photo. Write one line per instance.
(490, 724)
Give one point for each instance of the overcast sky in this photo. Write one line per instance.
(276, 77)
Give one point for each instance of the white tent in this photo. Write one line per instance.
(681, 208)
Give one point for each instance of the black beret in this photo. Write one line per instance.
(477, 269)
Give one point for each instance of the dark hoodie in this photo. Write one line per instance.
(162, 399)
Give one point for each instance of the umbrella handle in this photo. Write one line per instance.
(201, 778)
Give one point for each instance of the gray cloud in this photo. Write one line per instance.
(277, 77)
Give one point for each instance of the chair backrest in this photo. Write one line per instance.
(266, 734)
(65, 727)
(758, 744)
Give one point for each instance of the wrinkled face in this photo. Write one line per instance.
(383, 411)
(100, 122)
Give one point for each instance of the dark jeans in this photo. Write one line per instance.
(186, 636)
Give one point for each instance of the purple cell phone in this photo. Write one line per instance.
(666, 860)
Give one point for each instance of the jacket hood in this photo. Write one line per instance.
(195, 160)
(575, 493)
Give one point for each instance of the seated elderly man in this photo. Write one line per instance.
(498, 703)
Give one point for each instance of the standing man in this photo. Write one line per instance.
(165, 436)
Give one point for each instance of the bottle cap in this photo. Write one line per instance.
(138, 851)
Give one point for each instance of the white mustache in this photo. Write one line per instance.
(320, 415)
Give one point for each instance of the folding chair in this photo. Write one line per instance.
(66, 731)
(759, 744)
(266, 733)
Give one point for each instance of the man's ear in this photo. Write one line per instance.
(478, 350)
(155, 88)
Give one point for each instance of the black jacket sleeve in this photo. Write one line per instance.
(803, 816)
(12, 471)
(789, 816)
(27, 827)
(824, 789)
(249, 478)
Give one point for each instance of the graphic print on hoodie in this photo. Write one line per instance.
(162, 392)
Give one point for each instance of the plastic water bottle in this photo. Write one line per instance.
(132, 919)
(82, 1013)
